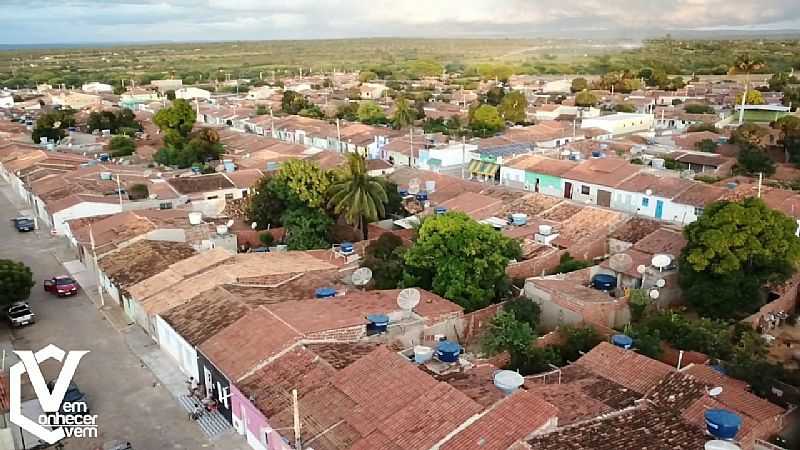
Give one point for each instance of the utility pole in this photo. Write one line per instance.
(463, 155)
(411, 141)
(96, 268)
(119, 192)
(338, 136)
(296, 411)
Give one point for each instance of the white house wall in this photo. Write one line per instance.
(176, 346)
(85, 209)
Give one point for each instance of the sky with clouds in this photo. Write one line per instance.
(75, 21)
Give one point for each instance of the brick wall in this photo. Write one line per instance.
(476, 321)
(669, 356)
(535, 266)
(349, 333)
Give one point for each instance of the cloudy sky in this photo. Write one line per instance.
(76, 21)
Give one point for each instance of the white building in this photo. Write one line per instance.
(620, 123)
(558, 87)
(262, 92)
(191, 93)
(167, 85)
(372, 90)
(6, 101)
(97, 88)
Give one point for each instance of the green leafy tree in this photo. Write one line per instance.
(293, 102)
(746, 63)
(119, 90)
(790, 137)
(698, 108)
(624, 108)
(202, 146)
(585, 99)
(754, 97)
(638, 301)
(579, 84)
(460, 259)
(16, 281)
(53, 125)
(569, 264)
(404, 114)
(261, 110)
(486, 120)
(384, 256)
(753, 160)
(121, 146)
(138, 192)
(170, 94)
(512, 107)
(535, 360)
(646, 341)
(357, 196)
(706, 145)
(177, 119)
(577, 339)
(507, 334)
(731, 250)
(778, 81)
(347, 111)
(495, 95)
(370, 113)
(524, 310)
(311, 111)
(266, 238)
(306, 228)
(366, 76)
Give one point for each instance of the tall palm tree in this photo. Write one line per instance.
(746, 64)
(403, 113)
(359, 197)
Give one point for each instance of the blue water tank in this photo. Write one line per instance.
(596, 154)
(104, 157)
(325, 292)
(377, 322)
(722, 423)
(620, 340)
(440, 210)
(346, 247)
(604, 282)
(719, 369)
(448, 351)
(402, 192)
(422, 196)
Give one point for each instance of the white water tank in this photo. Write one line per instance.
(508, 381)
(430, 186)
(545, 230)
(195, 218)
(222, 229)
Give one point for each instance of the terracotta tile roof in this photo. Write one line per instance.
(241, 346)
(514, 418)
(201, 183)
(246, 178)
(625, 367)
(635, 229)
(700, 194)
(205, 315)
(341, 354)
(561, 212)
(476, 383)
(573, 291)
(291, 286)
(663, 240)
(705, 159)
(666, 187)
(475, 205)
(695, 415)
(141, 260)
(609, 172)
(177, 272)
(643, 427)
(447, 187)
(573, 403)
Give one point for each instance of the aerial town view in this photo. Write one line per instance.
(452, 225)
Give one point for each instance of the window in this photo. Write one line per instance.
(699, 211)
(244, 192)
(212, 197)
(645, 202)
(165, 205)
(228, 196)
(585, 189)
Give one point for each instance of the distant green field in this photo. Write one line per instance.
(760, 116)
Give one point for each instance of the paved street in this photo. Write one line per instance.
(130, 402)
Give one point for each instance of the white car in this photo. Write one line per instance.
(20, 314)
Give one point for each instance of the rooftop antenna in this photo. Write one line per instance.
(407, 299)
(361, 276)
(661, 261)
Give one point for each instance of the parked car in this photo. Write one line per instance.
(20, 314)
(23, 224)
(74, 396)
(61, 286)
(116, 445)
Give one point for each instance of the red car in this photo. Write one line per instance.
(61, 286)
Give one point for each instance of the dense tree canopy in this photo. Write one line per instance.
(357, 196)
(486, 121)
(585, 99)
(579, 84)
(121, 146)
(513, 106)
(16, 281)
(121, 121)
(460, 259)
(790, 137)
(384, 256)
(178, 118)
(53, 125)
(306, 228)
(404, 114)
(370, 113)
(754, 97)
(732, 249)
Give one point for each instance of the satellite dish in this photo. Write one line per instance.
(407, 299)
(661, 261)
(361, 276)
(57, 124)
(661, 282)
(620, 262)
(253, 225)
(641, 269)
(229, 223)
(654, 294)
(715, 392)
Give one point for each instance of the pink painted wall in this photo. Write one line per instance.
(256, 422)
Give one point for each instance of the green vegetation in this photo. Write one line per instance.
(706, 145)
(568, 264)
(384, 256)
(266, 238)
(16, 281)
(404, 114)
(138, 192)
(306, 228)
(461, 260)
(790, 137)
(53, 125)
(753, 98)
(121, 146)
(585, 99)
(485, 121)
(370, 113)
(733, 249)
(624, 108)
(356, 196)
(512, 107)
(122, 121)
(579, 84)
(698, 108)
